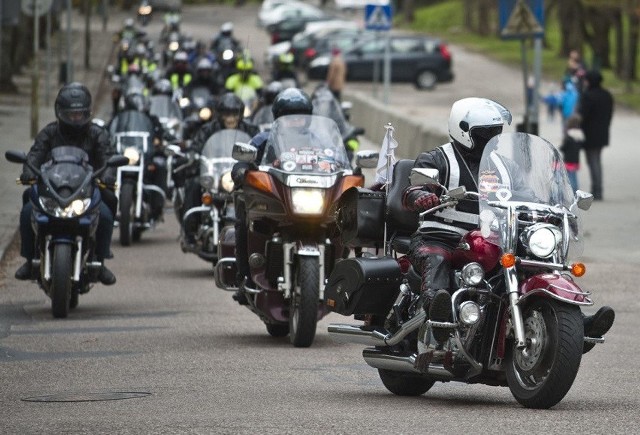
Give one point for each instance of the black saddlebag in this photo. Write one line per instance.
(361, 217)
(364, 285)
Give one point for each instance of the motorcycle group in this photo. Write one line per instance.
(459, 265)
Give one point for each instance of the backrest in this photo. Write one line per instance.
(400, 221)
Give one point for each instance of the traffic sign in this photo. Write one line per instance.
(378, 17)
(521, 19)
(40, 7)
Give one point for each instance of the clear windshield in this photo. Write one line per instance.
(215, 157)
(305, 144)
(200, 96)
(164, 107)
(325, 104)
(527, 173)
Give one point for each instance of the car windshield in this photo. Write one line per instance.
(305, 144)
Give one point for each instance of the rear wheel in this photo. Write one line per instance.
(405, 384)
(61, 271)
(303, 316)
(542, 373)
(426, 80)
(127, 214)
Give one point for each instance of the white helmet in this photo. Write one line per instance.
(226, 28)
(473, 121)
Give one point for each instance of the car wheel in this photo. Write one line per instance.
(426, 80)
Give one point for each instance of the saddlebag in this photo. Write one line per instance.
(363, 285)
(361, 218)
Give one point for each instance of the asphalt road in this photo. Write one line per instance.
(209, 365)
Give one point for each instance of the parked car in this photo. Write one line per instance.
(289, 10)
(286, 29)
(344, 39)
(166, 5)
(422, 60)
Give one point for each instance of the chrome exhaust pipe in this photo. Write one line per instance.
(356, 333)
(380, 360)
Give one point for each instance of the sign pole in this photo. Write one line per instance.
(35, 79)
(387, 69)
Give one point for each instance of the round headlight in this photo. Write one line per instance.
(227, 55)
(226, 182)
(132, 154)
(174, 45)
(543, 240)
(472, 274)
(206, 181)
(469, 313)
(205, 114)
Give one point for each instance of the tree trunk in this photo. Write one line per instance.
(600, 19)
(634, 35)
(570, 17)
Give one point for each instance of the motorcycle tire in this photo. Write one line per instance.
(127, 213)
(61, 272)
(277, 330)
(542, 375)
(405, 384)
(303, 316)
(73, 302)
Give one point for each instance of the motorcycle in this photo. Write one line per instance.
(65, 218)
(144, 12)
(141, 200)
(290, 204)
(170, 116)
(216, 210)
(516, 318)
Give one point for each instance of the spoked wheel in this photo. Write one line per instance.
(127, 213)
(303, 316)
(542, 373)
(61, 271)
(277, 330)
(405, 384)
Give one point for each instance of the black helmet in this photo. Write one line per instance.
(291, 101)
(163, 87)
(230, 103)
(136, 100)
(73, 107)
(271, 91)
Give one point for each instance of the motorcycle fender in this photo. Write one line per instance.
(556, 286)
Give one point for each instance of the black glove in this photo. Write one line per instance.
(426, 201)
(109, 180)
(27, 178)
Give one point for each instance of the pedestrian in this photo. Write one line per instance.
(336, 73)
(571, 144)
(567, 101)
(596, 109)
(575, 69)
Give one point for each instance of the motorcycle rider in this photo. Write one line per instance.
(73, 127)
(472, 123)
(245, 83)
(291, 101)
(205, 76)
(226, 33)
(228, 116)
(180, 74)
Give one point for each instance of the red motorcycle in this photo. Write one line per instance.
(292, 238)
(516, 317)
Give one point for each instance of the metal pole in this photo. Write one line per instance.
(525, 75)
(387, 69)
(69, 58)
(375, 70)
(36, 73)
(47, 76)
(105, 14)
(537, 71)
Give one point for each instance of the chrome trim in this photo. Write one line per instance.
(546, 292)
(511, 281)
(217, 272)
(47, 258)
(355, 333)
(77, 261)
(380, 360)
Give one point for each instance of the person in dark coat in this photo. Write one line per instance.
(596, 109)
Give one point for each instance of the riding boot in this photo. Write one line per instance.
(597, 325)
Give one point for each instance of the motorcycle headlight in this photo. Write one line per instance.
(132, 154)
(144, 10)
(226, 182)
(469, 313)
(205, 114)
(307, 201)
(227, 55)
(77, 207)
(206, 181)
(542, 239)
(472, 274)
(184, 102)
(174, 45)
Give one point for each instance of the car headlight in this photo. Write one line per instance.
(206, 181)
(226, 182)
(77, 207)
(132, 154)
(307, 201)
(542, 239)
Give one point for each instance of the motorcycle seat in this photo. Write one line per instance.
(401, 223)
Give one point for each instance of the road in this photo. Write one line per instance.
(210, 367)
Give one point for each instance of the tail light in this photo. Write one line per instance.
(275, 38)
(444, 51)
(309, 53)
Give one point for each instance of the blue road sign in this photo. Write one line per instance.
(377, 17)
(521, 19)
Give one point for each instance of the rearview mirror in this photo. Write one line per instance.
(244, 152)
(583, 199)
(367, 159)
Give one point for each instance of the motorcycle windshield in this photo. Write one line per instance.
(263, 117)
(201, 97)
(526, 173)
(67, 171)
(305, 144)
(165, 108)
(324, 104)
(215, 158)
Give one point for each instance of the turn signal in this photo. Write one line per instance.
(508, 260)
(260, 180)
(207, 199)
(578, 269)
(352, 181)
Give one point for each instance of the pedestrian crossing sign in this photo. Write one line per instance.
(521, 18)
(377, 17)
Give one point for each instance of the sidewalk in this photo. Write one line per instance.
(15, 110)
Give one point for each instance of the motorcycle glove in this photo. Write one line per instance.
(27, 178)
(425, 201)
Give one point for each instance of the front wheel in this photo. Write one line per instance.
(405, 384)
(127, 213)
(61, 271)
(303, 316)
(542, 373)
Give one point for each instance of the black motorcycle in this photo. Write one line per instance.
(65, 216)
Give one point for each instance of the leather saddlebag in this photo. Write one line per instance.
(361, 217)
(363, 285)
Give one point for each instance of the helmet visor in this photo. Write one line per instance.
(75, 117)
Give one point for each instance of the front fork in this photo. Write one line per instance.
(511, 281)
(293, 249)
(77, 259)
